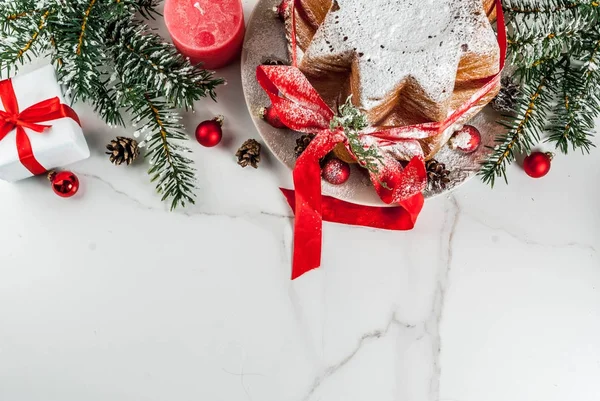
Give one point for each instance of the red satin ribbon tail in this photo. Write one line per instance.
(25, 152)
(307, 256)
(7, 96)
(309, 223)
(401, 218)
(307, 242)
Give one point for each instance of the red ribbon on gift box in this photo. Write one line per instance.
(301, 108)
(11, 118)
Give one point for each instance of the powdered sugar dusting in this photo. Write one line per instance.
(466, 139)
(399, 39)
(462, 139)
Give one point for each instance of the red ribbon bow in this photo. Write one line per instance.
(302, 109)
(11, 118)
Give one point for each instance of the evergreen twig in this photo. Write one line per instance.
(525, 130)
(353, 122)
(528, 7)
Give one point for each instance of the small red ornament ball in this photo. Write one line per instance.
(270, 116)
(336, 172)
(467, 139)
(64, 183)
(538, 164)
(209, 133)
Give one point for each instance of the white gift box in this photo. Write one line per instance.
(58, 146)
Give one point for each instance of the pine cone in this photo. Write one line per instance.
(437, 174)
(274, 61)
(302, 143)
(249, 154)
(123, 150)
(506, 100)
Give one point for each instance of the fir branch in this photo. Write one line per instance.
(107, 103)
(163, 134)
(573, 121)
(12, 13)
(146, 8)
(22, 14)
(84, 24)
(555, 45)
(34, 37)
(525, 129)
(546, 36)
(146, 59)
(79, 46)
(551, 6)
(144, 63)
(172, 172)
(546, 45)
(54, 48)
(24, 43)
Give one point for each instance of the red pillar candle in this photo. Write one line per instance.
(207, 31)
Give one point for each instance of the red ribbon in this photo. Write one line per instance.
(337, 211)
(301, 108)
(11, 118)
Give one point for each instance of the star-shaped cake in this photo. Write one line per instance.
(403, 61)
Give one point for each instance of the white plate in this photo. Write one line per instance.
(265, 40)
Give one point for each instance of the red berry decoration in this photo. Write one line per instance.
(336, 172)
(467, 139)
(209, 133)
(538, 164)
(270, 116)
(64, 183)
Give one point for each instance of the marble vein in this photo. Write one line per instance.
(114, 189)
(364, 340)
(141, 205)
(432, 326)
(532, 242)
(242, 375)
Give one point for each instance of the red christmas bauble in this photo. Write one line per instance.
(538, 164)
(64, 183)
(467, 139)
(336, 171)
(209, 133)
(270, 116)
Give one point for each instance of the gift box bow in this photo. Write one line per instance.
(12, 118)
(301, 108)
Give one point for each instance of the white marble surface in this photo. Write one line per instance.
(494, 296)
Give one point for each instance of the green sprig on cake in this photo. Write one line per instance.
(352, 121)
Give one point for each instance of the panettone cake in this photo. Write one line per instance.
(403, 61)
